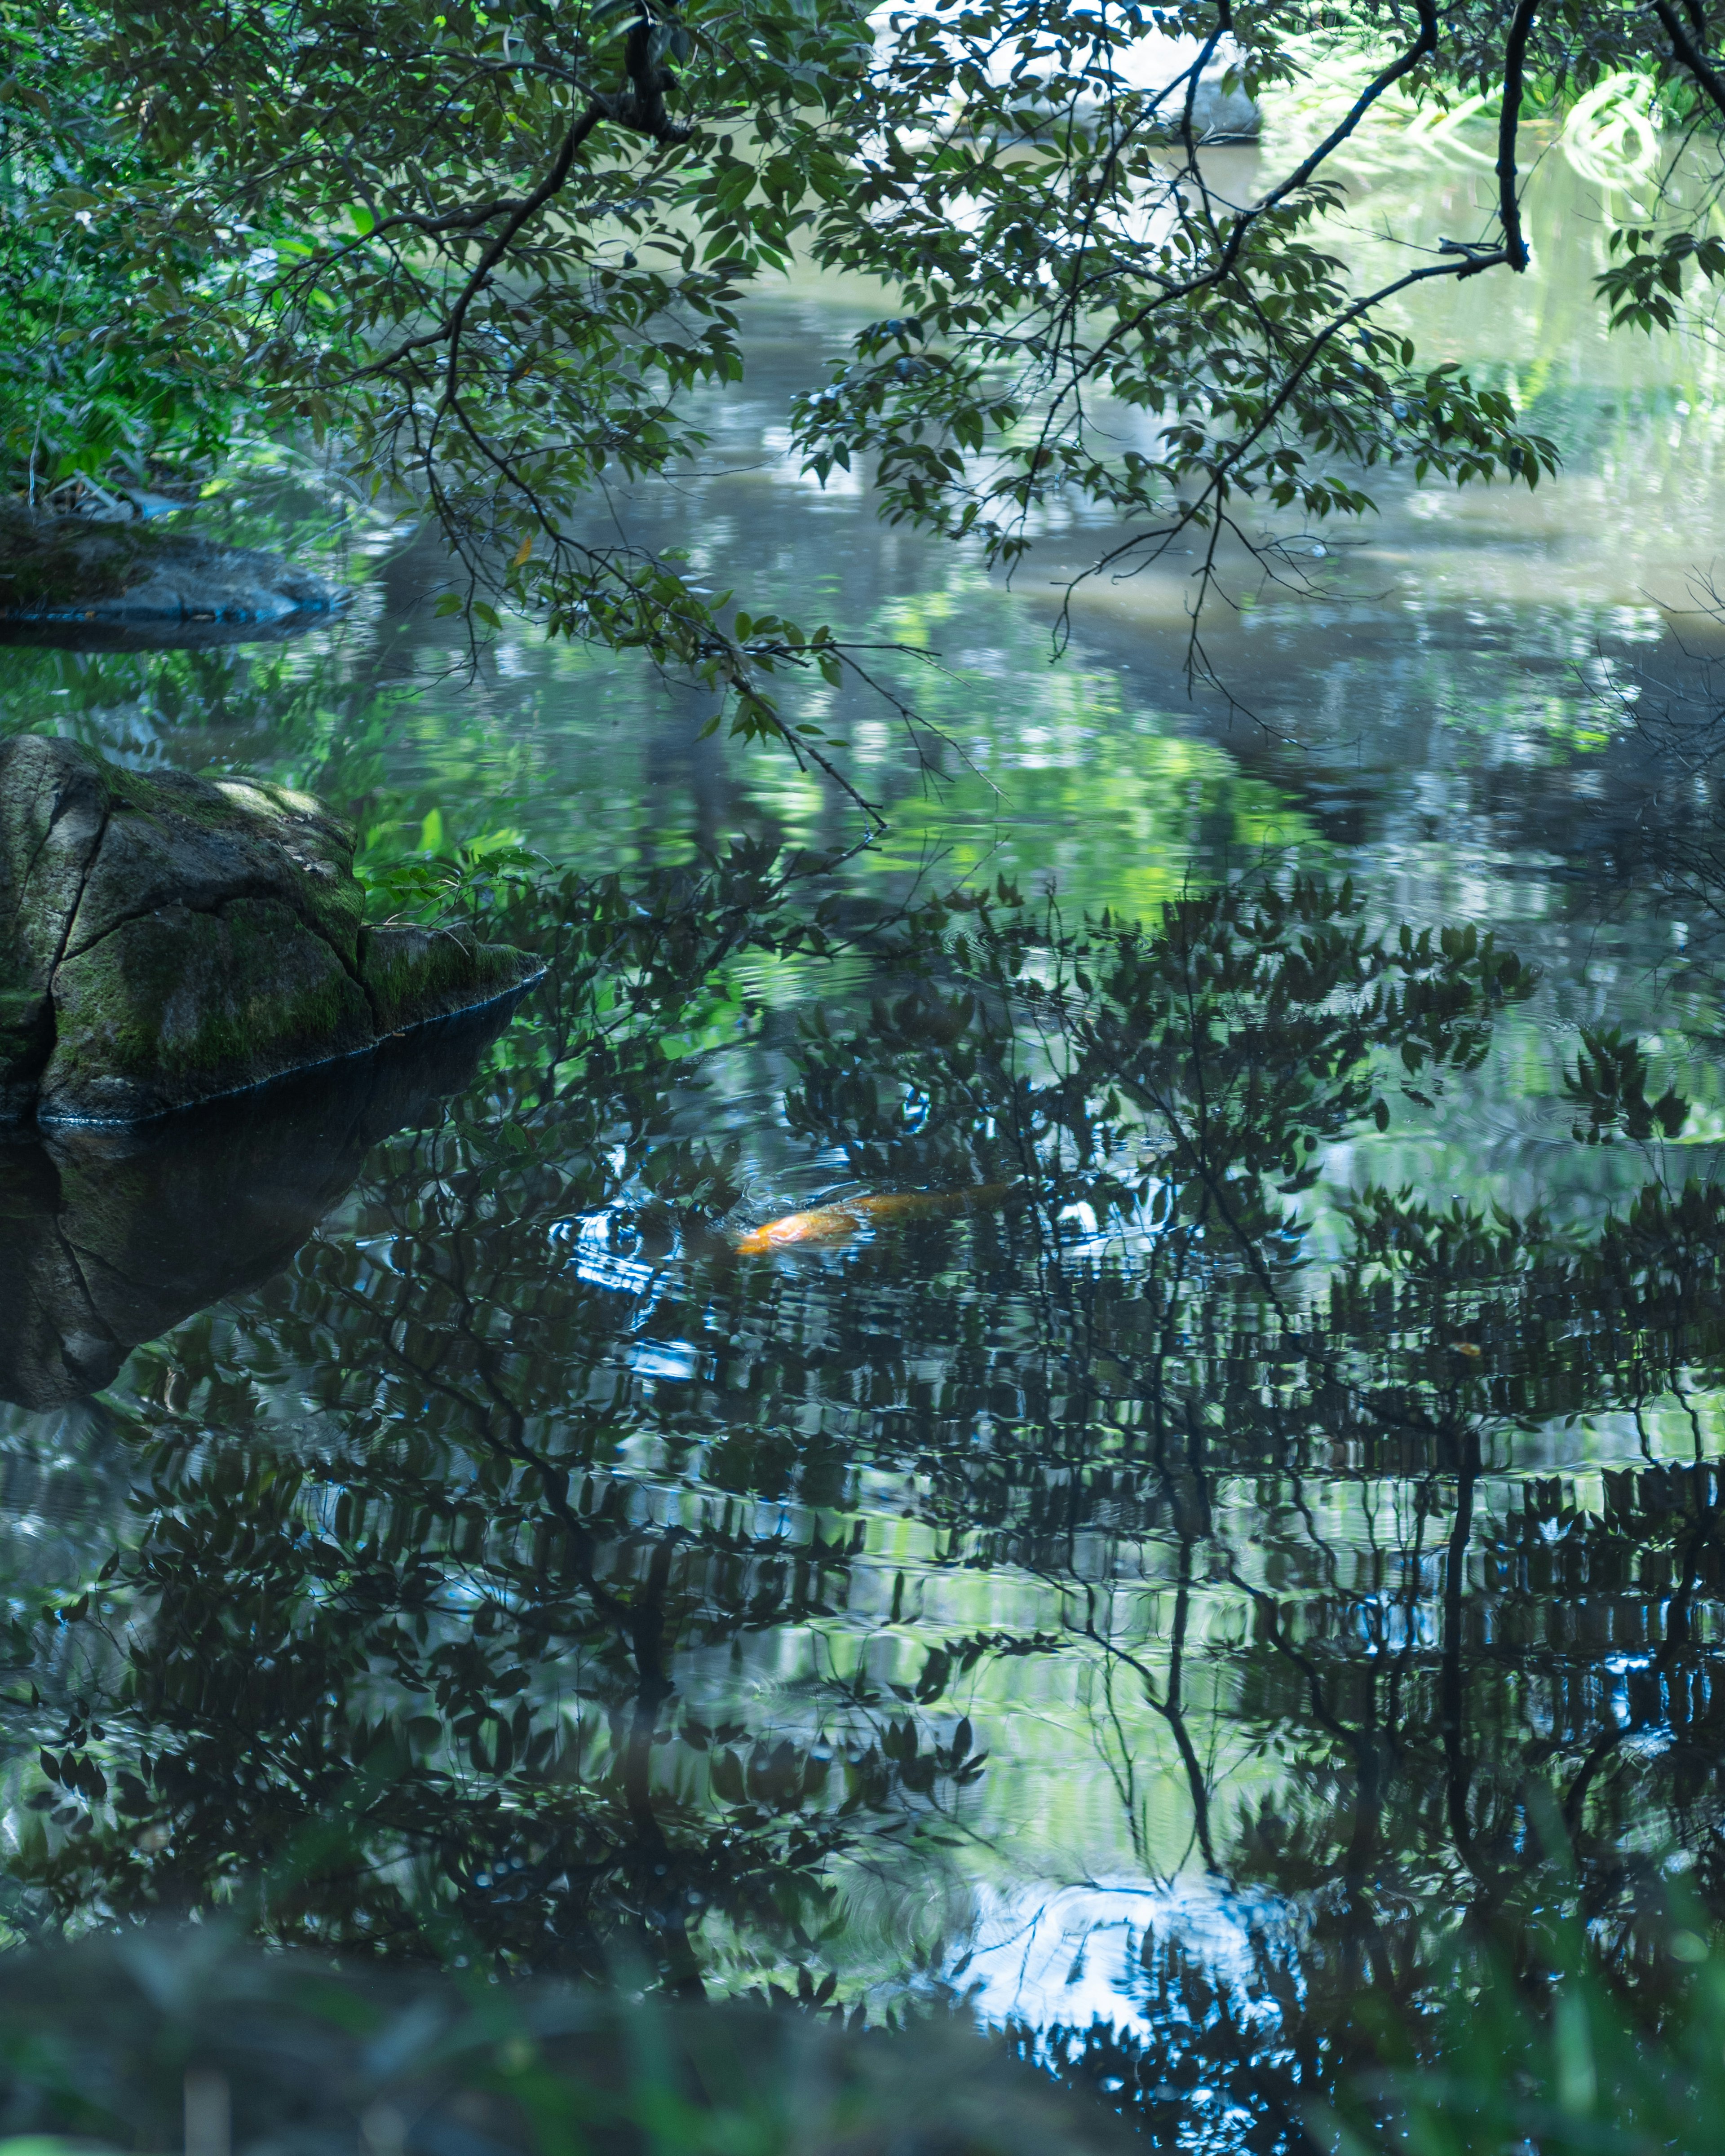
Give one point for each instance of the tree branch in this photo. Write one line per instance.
(641, 108)
(1421, 49)
(1689, 54)
(1509, 120)
(1422, 46)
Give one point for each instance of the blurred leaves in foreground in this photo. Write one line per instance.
(1542, 2048)
(126, 2043)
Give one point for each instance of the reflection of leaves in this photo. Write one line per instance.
(1197, 1067)
(433, 1656)
(1649, 1281)
(1609, 1082)
(460, 1619)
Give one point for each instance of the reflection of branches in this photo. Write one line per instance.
(1460, 1772)
(481, 1531)
(1169, 1707)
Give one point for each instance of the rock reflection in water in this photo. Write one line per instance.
(112, 1237)
(183, 635)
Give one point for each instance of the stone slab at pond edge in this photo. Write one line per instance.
(78, 572)
(166, 940)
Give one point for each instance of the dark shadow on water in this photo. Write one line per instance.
(111, 1237)
(176, 633)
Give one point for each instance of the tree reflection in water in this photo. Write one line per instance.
(522, 1572)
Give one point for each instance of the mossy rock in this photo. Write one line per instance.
(74, 573)
(168, 940)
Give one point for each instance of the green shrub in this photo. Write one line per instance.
(106, 372)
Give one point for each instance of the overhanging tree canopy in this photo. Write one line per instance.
(494, 249)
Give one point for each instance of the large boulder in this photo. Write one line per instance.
(80, 580)
(166, 940)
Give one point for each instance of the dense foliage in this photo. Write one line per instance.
(110, 369)
(419, 1620)
(490, 252)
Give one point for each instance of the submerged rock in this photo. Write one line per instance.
(166, 940)
(111, 1237)
(76, 576)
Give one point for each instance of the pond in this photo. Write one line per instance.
(1152, 1582)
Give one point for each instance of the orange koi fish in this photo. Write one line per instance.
(828, 1224)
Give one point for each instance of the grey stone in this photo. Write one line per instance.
(169, 939)
(75, 574)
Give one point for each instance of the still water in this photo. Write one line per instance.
(1148, 1602)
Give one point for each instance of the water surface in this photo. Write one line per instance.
(1150, 1604)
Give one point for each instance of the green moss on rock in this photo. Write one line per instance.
(166, 940)
(412, 974)
(177, 1007)
(174, 839)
